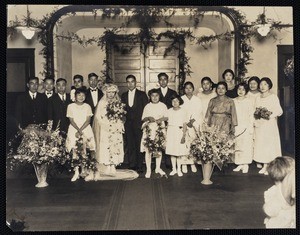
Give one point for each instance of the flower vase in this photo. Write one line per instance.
(41, 174)
(207, 169)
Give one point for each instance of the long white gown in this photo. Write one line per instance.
(266, 134)
(109, 145)
(244, 131)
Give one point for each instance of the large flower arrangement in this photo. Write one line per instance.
(115, 111)
(212, 146)
(158, 143)
(39, 144)
(82, 156)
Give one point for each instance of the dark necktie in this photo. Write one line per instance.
(33, 96)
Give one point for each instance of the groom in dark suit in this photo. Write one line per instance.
(57, 107)
(31, 106)
(165, 94)
(94, 94)
(135, 101)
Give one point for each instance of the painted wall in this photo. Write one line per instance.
(203, 62)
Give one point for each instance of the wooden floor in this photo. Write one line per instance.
(234, 201)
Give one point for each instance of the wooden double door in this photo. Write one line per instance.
(144, 63)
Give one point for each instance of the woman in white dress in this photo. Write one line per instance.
(266, 134)
(207, 93)
(154, 114)
(253, 93)
(244, 130)
(80, 115)
(193, 108)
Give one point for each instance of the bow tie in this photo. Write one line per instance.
(93, 90)
(49, 93)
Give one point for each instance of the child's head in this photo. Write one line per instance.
(80, 94)
(154, 95)
(280, 167)
(176, 100)
(206, 83)
(188, 88)
(253, 83)
(242, 89)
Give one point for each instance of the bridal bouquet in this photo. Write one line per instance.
(212, 146)
(82, 156)
(39, 144)
(116, 111)
(158, 143)
(262, 113)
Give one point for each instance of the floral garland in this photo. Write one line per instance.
(157, 144)
(147, 18)
(82, 156)
(116, 114)
(289, 68)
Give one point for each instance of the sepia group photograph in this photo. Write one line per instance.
(150, 117)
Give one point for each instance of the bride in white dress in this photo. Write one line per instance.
(108, 133)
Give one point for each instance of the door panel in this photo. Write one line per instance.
(127, 59)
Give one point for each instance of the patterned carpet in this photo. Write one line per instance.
(234, 201)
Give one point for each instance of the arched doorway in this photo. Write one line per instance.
(67, 59)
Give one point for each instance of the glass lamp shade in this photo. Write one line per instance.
(28, 32)
(263, 29)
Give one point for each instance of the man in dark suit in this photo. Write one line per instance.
(165, 94)
(57, 107)
(31, 106)
(49, 86)
(135, 101)
(93, 94)
(164, 91)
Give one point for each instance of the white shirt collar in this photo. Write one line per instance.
(61, 96)
(31, 94)
(133, 91)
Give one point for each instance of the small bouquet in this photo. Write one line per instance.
(39, 144)
(262, 113)
(157, 144)
(212, 146)
(115, 111)
(82, 156)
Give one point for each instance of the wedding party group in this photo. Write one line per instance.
(161, 125)
(219, 122)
